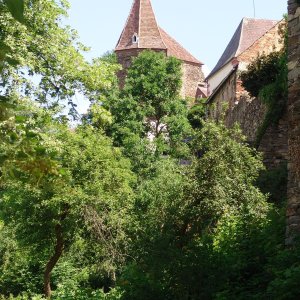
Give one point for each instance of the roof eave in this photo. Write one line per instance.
(216, 71)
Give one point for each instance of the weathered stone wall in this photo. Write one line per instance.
(293, 209)
(125, 59)
(224, 100)
(250, 113)
(192, 76)
(233, 105)
(274, 144)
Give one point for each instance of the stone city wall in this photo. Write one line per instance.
(250, 113)
(233, 105)
(293, 209)
(224, 99)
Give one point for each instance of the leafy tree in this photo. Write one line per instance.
(190, 229)
(179, 208)
(197, 113)
(48, 61)
(36, 173)
(57, 184)
(149, 118)
(261, 72)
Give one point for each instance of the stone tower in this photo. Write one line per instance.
(142, 32)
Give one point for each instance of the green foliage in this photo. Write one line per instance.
(154, 79)
(287, 270)
(274, 182)
(48, 64)
(197, 113)
(184, 220)
(191, 201)
(16, 265)
(262, 72)
(274, 96)
(150, 107)
(80, 294)
(115, 294)
(24, 296)
(53, 171)
(16, 8)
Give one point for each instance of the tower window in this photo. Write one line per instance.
(135, 38)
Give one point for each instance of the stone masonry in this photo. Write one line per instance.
(268, 43)
(293, 209)
(192, 75)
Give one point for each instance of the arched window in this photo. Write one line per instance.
(135, 38)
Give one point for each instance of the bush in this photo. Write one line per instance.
(197, 113)
(81, 294)
(66, 294)
(274, 183)
(261, 72)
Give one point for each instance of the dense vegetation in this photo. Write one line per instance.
(143, 199)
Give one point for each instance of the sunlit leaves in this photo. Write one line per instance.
(44, 59)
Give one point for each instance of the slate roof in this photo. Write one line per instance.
(248, 31)
(142, 22)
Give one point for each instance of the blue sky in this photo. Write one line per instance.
(204, 27)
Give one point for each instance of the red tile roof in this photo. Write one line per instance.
(247, 33)
(142, 22)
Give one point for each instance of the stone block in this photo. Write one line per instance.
(294, 220)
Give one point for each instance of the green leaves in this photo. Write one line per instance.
(16, 8)
(150, 106)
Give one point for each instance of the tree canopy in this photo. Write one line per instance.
(142, 198)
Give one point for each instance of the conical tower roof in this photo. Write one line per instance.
(142, 23)
(142, 32)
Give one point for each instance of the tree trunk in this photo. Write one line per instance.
(59, 247)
